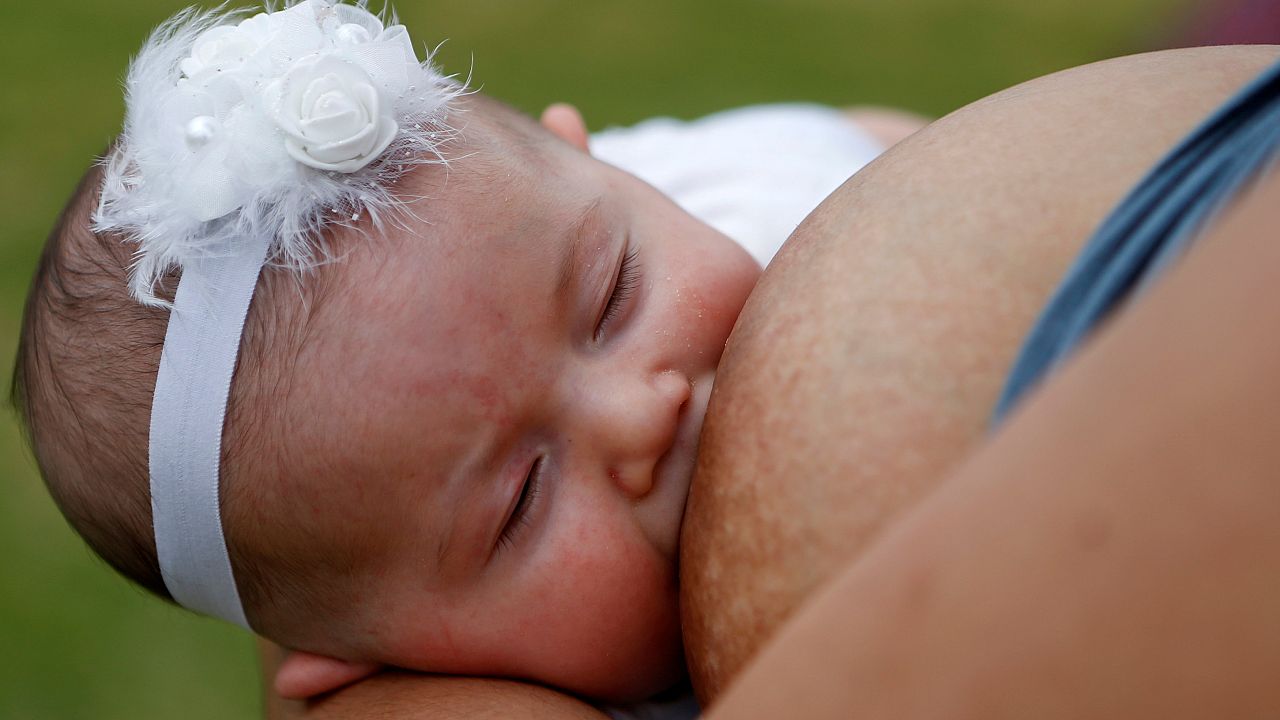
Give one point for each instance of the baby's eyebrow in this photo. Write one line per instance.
(577, 246)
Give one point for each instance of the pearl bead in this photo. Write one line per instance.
(200, 131)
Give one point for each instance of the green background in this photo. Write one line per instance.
(76, 641)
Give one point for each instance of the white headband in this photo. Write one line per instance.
(244, 140)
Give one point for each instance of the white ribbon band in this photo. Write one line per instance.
(201, 346)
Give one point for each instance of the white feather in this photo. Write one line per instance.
(155, 176)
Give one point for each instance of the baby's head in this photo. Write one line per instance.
(463, 445)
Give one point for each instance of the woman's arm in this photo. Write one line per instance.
(405, 696)
(1114, 552)
(409, 695)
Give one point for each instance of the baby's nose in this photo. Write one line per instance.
(654, 431)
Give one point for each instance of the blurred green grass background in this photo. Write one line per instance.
(76, 641)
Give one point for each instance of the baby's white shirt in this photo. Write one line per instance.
(753, 174)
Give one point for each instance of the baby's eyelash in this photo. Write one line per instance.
(627, 282)
(520, 514)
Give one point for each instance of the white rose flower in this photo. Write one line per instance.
(332, 113)
(259, 29)
(220, 49)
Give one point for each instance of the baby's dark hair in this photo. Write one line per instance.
(85, 375)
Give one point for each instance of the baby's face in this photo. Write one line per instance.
(519, 394)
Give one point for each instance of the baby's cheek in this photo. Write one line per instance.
(719, 285)
(609, 625)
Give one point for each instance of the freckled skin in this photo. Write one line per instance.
(867, 362)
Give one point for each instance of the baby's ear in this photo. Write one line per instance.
(564, 121)
(303, 675)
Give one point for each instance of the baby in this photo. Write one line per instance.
(468, 391)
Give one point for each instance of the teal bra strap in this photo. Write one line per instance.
(1152, 226)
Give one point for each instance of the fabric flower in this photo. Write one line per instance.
(332, 113)
(228, 118)
(227, 47)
